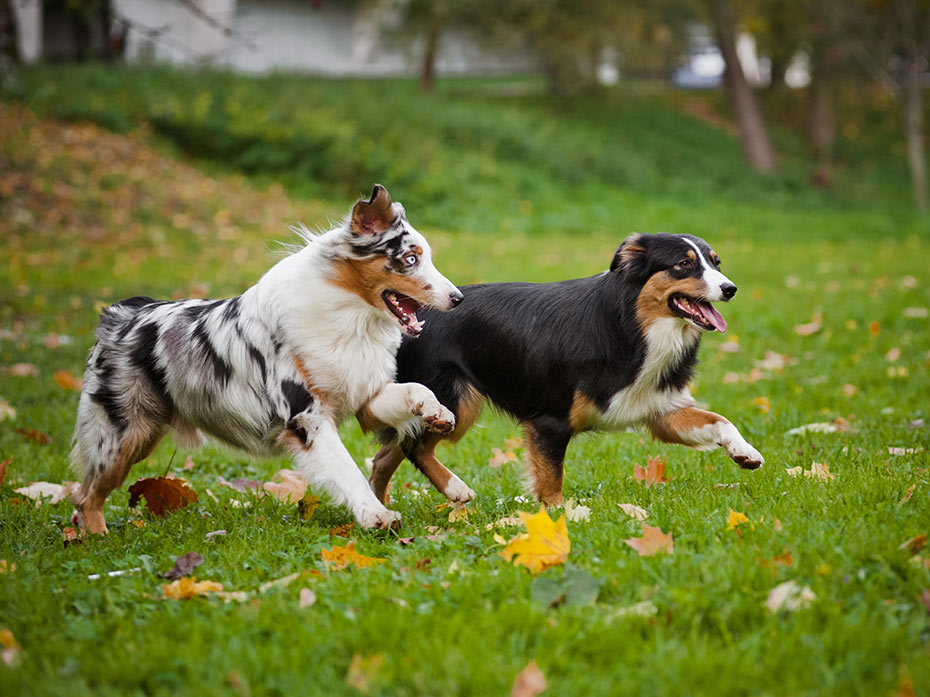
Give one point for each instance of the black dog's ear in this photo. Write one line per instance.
(375, 215)
(631, 255)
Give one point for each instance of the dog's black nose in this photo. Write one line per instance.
(728, 290)
(455, 298)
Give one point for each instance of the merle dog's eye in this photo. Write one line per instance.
(411, 259)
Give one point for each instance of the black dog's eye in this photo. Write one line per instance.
(717, 261)
(686, 263)
(411, 259)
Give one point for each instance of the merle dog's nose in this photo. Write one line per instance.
(456, 297)
(728, 290)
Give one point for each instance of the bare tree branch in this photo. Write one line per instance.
(212, 21)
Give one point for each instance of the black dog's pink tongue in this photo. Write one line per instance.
(711, 315)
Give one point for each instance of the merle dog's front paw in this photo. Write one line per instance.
(438, 419)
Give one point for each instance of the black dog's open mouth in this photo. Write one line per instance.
(405, 309)
(700, 312)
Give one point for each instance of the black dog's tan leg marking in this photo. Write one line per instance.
(383, 467)
(101, 477)
(546, 441)
(423, 456)
(705, 430)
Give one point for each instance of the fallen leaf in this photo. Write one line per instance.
(7, 567)
(573, 588)
(67, 380)
(875, 328)
(307, 506)
(22, 370)
(529, 682)
(819, 427)
(544, 544)
(9, 653)
(907, 495)
(652, 474)
(189, 587)
(35, 435)
(774, 361)
(789, 596)
(286, 485)
(3, 468)
(811, 327)
(6, 411)
(735, 519)
(183, 566)
(576, 514)
(893, 355)
(363, 670)
(821, 471)
(459, 512)
(652, 542)
(914, 545)
(850, 390)
(307, 598)
(341, 557)
(902, 451)
(344, 530)
(188, 464)
(644, 608)
(215, 533)
(499, 457)
(763, 403)
(513, 442)
(162, 494)
(38, 491)
(785, 558)
(70, 536)
(635, 512)
(504, 522)
(916, 312)
(242, 485)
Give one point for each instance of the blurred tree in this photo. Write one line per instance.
(9, 38)
(892, 41)
(756, 145)
(429, 19)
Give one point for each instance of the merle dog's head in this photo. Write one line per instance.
(677, 276)
(390, 265)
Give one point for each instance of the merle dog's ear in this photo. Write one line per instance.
(375, 215)
(631, 255)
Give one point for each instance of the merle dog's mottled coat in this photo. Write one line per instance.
(270, 371)
(606, 352)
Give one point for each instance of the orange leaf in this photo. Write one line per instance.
(652, 542)
(498, 457)
(341, 530)
(341, 557)
(162, 495)
(35, 435)
(3, 466)
(529, 682)
(652, 474)
(188, 587)
(66, 379)
(544, 544)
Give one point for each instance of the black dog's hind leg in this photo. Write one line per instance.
(546, 440)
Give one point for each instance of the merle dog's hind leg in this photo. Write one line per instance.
(546, 442)
(104, 453)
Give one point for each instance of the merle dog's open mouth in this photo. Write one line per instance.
(405, 309)
(700, 312)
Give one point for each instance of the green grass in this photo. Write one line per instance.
(87, 217)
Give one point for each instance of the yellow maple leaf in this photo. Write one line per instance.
(544, 544)
(341, 557)
(652, 542)
(735, 518)
(189, 587)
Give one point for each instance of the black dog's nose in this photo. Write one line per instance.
(456, 297)
(728, 290)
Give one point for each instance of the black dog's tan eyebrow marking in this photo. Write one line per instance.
(691, 255)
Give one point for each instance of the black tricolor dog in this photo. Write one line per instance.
(606, 352)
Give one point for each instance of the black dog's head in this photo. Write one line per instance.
(677, 276)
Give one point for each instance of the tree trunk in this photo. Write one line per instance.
(428, 68)
(9, 35)
(822, 120)
(914, 127)
(755, 140)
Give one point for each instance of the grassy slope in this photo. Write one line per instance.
(89, 217)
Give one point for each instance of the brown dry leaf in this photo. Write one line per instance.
(22, 370)
(183, 566)
(162, 494)
(811, 327)
(307, 598)
(499, 457)
(7, 567)
(35, 435)
(39, 491)
(71, 536)
(635, 512)
(789, 596)
(459, 512)
(529, 682)
(67, 380)
(544, 544)
(363, 671)
(341, 557)
(785, 558)
(287, 580)
(9, 648)
(652, 474)
(3, 468)
(344, 530)
(189, 587)
(914, 545)
(576, 514)
(907, 494)
(652, 542)
(287, 485)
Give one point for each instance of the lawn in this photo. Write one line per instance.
(505, 188)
